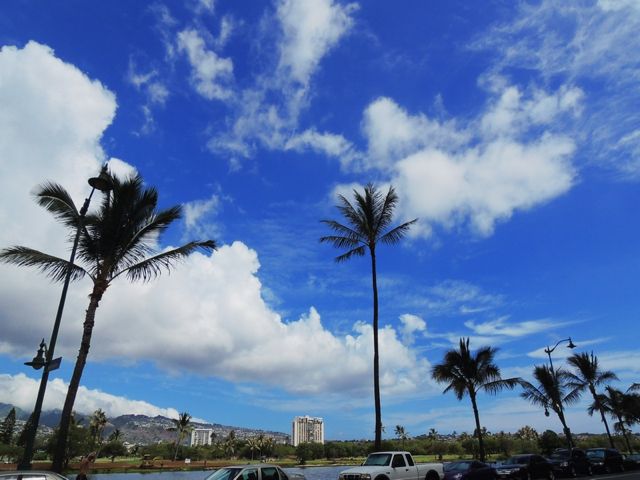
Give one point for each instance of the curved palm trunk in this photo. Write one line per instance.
(472, 396)
(624, 433)
(602, 416)
(565, 428)
(59, 456)
(376, 365)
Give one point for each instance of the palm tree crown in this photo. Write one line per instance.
(589, 376)
(120, 238)
(368, 223)
(467, 374)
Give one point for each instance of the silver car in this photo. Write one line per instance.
(259, 471)
(31, 475)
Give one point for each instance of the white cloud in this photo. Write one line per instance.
(592, 44)
(410, 325)
(197, 216)
(210, 73)
(310, 29)
(501, 327)
(266, 113)
(20, 390)
(446, 176)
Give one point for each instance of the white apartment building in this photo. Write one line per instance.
(307, 429)
(201, 436)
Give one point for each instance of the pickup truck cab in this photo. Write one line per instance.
(393, 466)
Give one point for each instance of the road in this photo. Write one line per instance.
(630, 475)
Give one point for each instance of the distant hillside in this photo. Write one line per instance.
(140, 428)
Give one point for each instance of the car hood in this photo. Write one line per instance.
(510, 467)
(366, 469)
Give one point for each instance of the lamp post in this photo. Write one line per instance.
(44, 357)
(548, 351)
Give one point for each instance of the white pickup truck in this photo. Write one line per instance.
(393, 466)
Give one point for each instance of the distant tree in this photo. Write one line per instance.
(527, 433)
(114, 448)
(230, 444)
(22, 437)
(77, 444)
(117, 240)
(468, 374)
(549, 441)
(115, 436)
(182, 425)
(7, 427)
(401, 434)
(589, 376)
(551, 393)
(368, 223)
(252, 444)
(97, 423)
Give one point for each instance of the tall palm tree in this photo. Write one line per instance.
(619, 405)
(402, 434)
(589, 376)
(182, 424)
(468, 374)
(551, 393)
(368, 223)
(116, 240)
(96, 426)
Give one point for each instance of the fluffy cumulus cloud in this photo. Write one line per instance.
(209, 316)
(51, 121)
(509, 158)
(20, 390)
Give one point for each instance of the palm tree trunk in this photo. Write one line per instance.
(624, 433)
(472, 395)
(60, 453)
(602, 416)
(565, 428)
(376, 364)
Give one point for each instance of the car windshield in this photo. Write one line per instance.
(224, 474)
(635, 456)
(377, 460)
(457, 466)
(560, 454)
(520, 460)
(595, 453)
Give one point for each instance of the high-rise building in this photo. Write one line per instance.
(201, 436)
(307, 429)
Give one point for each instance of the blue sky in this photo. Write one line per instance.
(509, 129)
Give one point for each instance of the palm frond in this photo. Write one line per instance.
(504, 383)
(53, 267)
(355, 252)
(151, 268)
(56, 200)
(396, 234)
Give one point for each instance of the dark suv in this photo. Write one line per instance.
(605, 460)
(570, 462)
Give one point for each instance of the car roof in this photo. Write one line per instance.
(12, 473)
(252, 465)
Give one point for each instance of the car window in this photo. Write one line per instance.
(409, 460)
(224, 474)
(9, 477)
(378, 460)
(283, 475)
(595, 454)
(270, 473)
(249, 474)
(398, 461)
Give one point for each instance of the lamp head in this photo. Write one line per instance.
(102, 182)
(571, 344)
(39, 361)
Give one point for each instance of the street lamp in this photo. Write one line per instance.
(548, 351)
(44, 357)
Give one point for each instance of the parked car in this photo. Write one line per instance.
(631, 462)
(259, 471)
(526, 467)
(469, 470)
(31, 475)
(393, 466)
(570, 462)
(605, 460)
